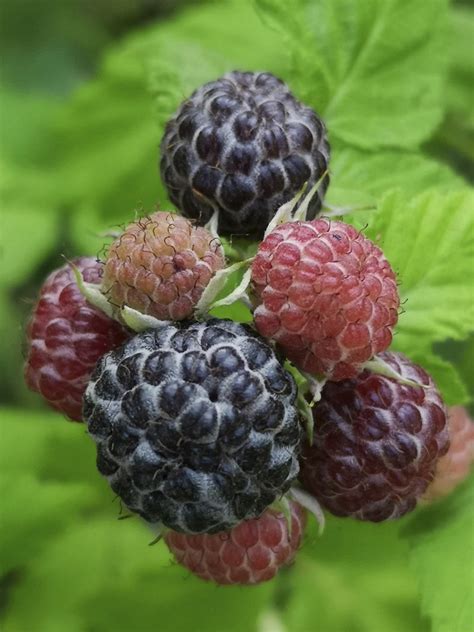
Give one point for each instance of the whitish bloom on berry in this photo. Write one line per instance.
(196, 425)
(376, 443)
(326, 294)
(242, 145)
(160, 266)
(66, 337)
(454, 467)
(250, 553)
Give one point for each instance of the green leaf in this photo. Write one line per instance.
(358, 176)
(47, 483)
(429, 241)
(28, 235)
(373, 69)
(454, 140)
(466, 367)
(67, 563)
(108, 160)
(355, 577)
(34, 514)
(27, 137)
(101, 575)
(11, 335)
(51, 447)
(442, 550)
(461, 76)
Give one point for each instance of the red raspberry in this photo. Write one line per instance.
(66, 337)
(376, 443)
(454, 467)
(160, 266)
(252, 552)
(326, 294)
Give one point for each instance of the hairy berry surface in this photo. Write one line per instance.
(326, 294)
(66, 337)
(196, 425)
(454, 467)
(160, 266)
(244, 145)
(250, 553)
(376, 443)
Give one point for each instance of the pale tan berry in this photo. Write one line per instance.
(160, 266)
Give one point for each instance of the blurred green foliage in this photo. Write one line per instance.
(83, 104)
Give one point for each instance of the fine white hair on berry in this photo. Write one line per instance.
(196, 425)
(326, 295)
(160, 266)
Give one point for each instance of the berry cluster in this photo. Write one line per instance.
(198, 422)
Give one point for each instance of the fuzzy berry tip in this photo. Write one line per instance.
(326, 294)
(160, 266)
(376, 443)
(65, 338)
(243, 145)
(251, 553)
(454, 467)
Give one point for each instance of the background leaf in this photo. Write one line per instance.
(446, 376)
(442, 550)
(373, 69)
(354, 577)
(112, 129)
(67, 563)
(358, 175)
(454, 139)
(429, 241)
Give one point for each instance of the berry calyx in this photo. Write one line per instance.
(160, 266)
(326, 294)
(376, 443)
(66, 336)
(196, 425)
(454, 467)
(243, 145)
(250, 553)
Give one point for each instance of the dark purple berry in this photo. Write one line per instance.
(376, 443)
(245, 145)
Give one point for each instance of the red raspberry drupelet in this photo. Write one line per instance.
(326, 294)
(66, 337)
(251, 553)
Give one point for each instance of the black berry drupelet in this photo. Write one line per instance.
(195, 424)
(244, 145)
(376, 443)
